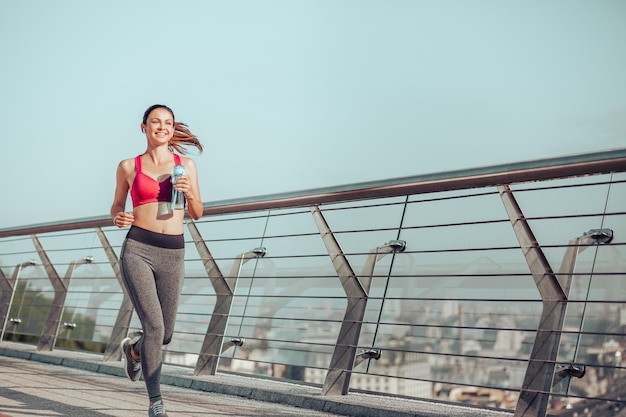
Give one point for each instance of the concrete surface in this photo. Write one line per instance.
(65, 383)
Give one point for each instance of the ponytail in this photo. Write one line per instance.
(183, 138)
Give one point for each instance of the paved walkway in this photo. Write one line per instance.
(30, 388)
(68, 384)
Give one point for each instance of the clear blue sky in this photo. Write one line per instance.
(291, 95)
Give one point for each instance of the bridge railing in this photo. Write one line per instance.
(501, 286)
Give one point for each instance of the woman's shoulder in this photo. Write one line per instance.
(185, 160)
(127, 165)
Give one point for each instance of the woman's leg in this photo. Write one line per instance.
(153, 277)
(169, 276)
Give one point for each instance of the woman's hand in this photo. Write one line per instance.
(183, 184)
(123, 219)
(188, 184)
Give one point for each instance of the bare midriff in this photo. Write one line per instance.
(148, 216)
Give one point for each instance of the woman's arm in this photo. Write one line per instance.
(121, 218)
(189, 185)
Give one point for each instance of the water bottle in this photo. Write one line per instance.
(178, 197)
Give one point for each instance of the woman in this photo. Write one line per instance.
(152, 256)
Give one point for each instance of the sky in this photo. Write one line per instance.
(294, 95)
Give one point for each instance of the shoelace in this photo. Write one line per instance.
(157, 408)
(136, 366)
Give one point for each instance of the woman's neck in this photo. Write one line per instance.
(158, 155)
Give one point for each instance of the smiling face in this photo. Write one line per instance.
(159, 126)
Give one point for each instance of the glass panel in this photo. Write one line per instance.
(617, 197)
(377, 214)
(454, 207)
(229, 236)
(14, 251)
(600, 345)
(31, 302)
(551, 201)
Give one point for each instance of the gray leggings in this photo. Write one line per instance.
(153, 277)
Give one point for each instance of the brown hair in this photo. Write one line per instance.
(182, 137)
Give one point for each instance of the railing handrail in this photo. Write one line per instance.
(595, 163)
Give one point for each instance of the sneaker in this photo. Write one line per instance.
(157, 409)
(133, 367)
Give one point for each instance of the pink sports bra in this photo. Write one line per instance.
(146, 189)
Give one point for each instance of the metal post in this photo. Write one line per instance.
(554, 291)
(213, 343)
(50, 331)
(113, 351)
(342, 363)
(8, 286)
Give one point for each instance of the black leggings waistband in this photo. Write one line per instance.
(159, 240)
